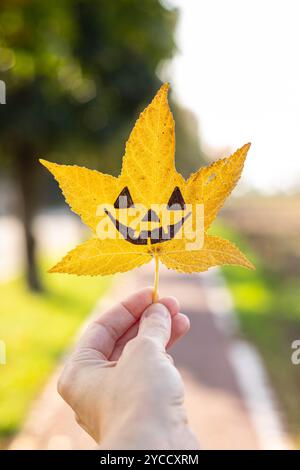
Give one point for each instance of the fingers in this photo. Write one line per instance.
(180, 326)
(172, 305)
(156, 324)
(103, 333)
(107, 336)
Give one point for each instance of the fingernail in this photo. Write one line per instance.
(156, 308)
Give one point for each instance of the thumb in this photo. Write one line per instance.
(156, 324)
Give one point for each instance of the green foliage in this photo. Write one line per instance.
(36, 329)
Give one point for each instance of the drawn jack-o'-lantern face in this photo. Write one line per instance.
(154, 232)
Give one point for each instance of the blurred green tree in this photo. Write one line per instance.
(76, 72)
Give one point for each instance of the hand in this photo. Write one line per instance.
(121, 383)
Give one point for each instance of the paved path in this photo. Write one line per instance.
(219, 409)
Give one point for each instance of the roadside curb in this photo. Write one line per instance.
(250, 372)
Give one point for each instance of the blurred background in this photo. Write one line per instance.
(77, 73)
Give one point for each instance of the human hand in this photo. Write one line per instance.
(121, 383)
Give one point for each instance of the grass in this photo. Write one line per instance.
(36, 330)
(268, 305)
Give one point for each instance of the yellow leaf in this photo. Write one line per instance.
(96, 257)
(148, 164)
(212, 185)
(215, 252)
(149, 210)
(84, 189)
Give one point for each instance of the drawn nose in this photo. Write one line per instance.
(151, 216)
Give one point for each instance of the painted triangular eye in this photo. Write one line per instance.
(124, 200)
(176, 201)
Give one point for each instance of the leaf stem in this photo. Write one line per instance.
(156, 279)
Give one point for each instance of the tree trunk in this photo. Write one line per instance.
(27, 178)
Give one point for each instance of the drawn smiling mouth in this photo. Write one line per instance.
(157, 235)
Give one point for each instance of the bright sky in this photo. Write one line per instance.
(239, 70)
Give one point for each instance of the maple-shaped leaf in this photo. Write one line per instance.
(167, 217)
